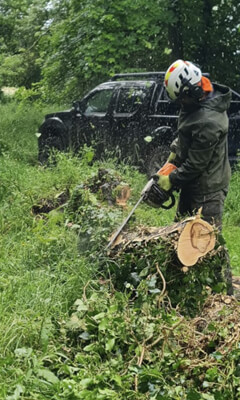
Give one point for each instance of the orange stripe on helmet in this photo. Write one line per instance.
(169, 71)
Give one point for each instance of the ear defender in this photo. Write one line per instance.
(193, 91)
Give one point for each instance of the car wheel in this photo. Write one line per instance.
(53, 137)
(157, 159)
(51, 143)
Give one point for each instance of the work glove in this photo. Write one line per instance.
(164, 182)
(171, 157)
(166, 169)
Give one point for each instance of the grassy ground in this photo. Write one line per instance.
(231, 221)
(42, 272)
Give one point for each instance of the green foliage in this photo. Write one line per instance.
(69, 46)
(99, 39)
(12, 69)
(23, 25)
(187, 291)
(231, 229)
(117, 348)
(87, 214)
(231, 215)
(17, 130)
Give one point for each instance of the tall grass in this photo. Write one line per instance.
(41, 272)
(231, 220)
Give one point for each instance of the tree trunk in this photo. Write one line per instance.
(175, 31)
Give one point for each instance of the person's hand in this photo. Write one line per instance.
(171, 157)
(164, 182)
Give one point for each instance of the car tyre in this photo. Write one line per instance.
(157, 159)
(53, 137)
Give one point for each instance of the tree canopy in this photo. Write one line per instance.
(65, 47)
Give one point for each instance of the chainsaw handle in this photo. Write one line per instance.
(173, 201)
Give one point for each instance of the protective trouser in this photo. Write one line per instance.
(212, 210)
(212, 205)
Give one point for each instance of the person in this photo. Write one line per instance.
(200, 151)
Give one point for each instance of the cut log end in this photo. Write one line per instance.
(195, 241)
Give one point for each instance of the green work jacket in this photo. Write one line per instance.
(202, 147)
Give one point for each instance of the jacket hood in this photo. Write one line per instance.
(218, 100)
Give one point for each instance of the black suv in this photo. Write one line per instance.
(129, 118)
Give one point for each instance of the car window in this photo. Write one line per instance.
(98, 102)
(235, 104)
(164, 106)
(130, 99)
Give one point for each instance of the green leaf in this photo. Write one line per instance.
(110, 344)
(90, 347)
(207, 396)
(148, 45)
(17, 393)
(193, 395)
(117, 379)
(212, 374)
(46, 331)
(167, 51)
(107, 392)
(23, 352)
(89, 156)
(81, 306)
(148, 139)
(86, 382)
(99, 316)
(217, 355)
(103, 324)
(144, 272)
(154, 291)
(74, 322)
(206, 384)
(48, 375)
(219, 287)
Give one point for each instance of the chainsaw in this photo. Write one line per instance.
(162, 197)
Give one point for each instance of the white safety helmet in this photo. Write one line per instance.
(181, 77)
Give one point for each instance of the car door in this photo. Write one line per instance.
(127, 119)
(234, 129)
(164, 111)
(93, 119)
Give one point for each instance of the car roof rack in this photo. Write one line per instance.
(146, 75)
(155, 76)
(236, 93)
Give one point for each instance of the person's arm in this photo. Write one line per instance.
(204, 141)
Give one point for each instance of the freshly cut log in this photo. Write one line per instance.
(192, 238)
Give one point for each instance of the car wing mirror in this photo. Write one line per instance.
(77, 107)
